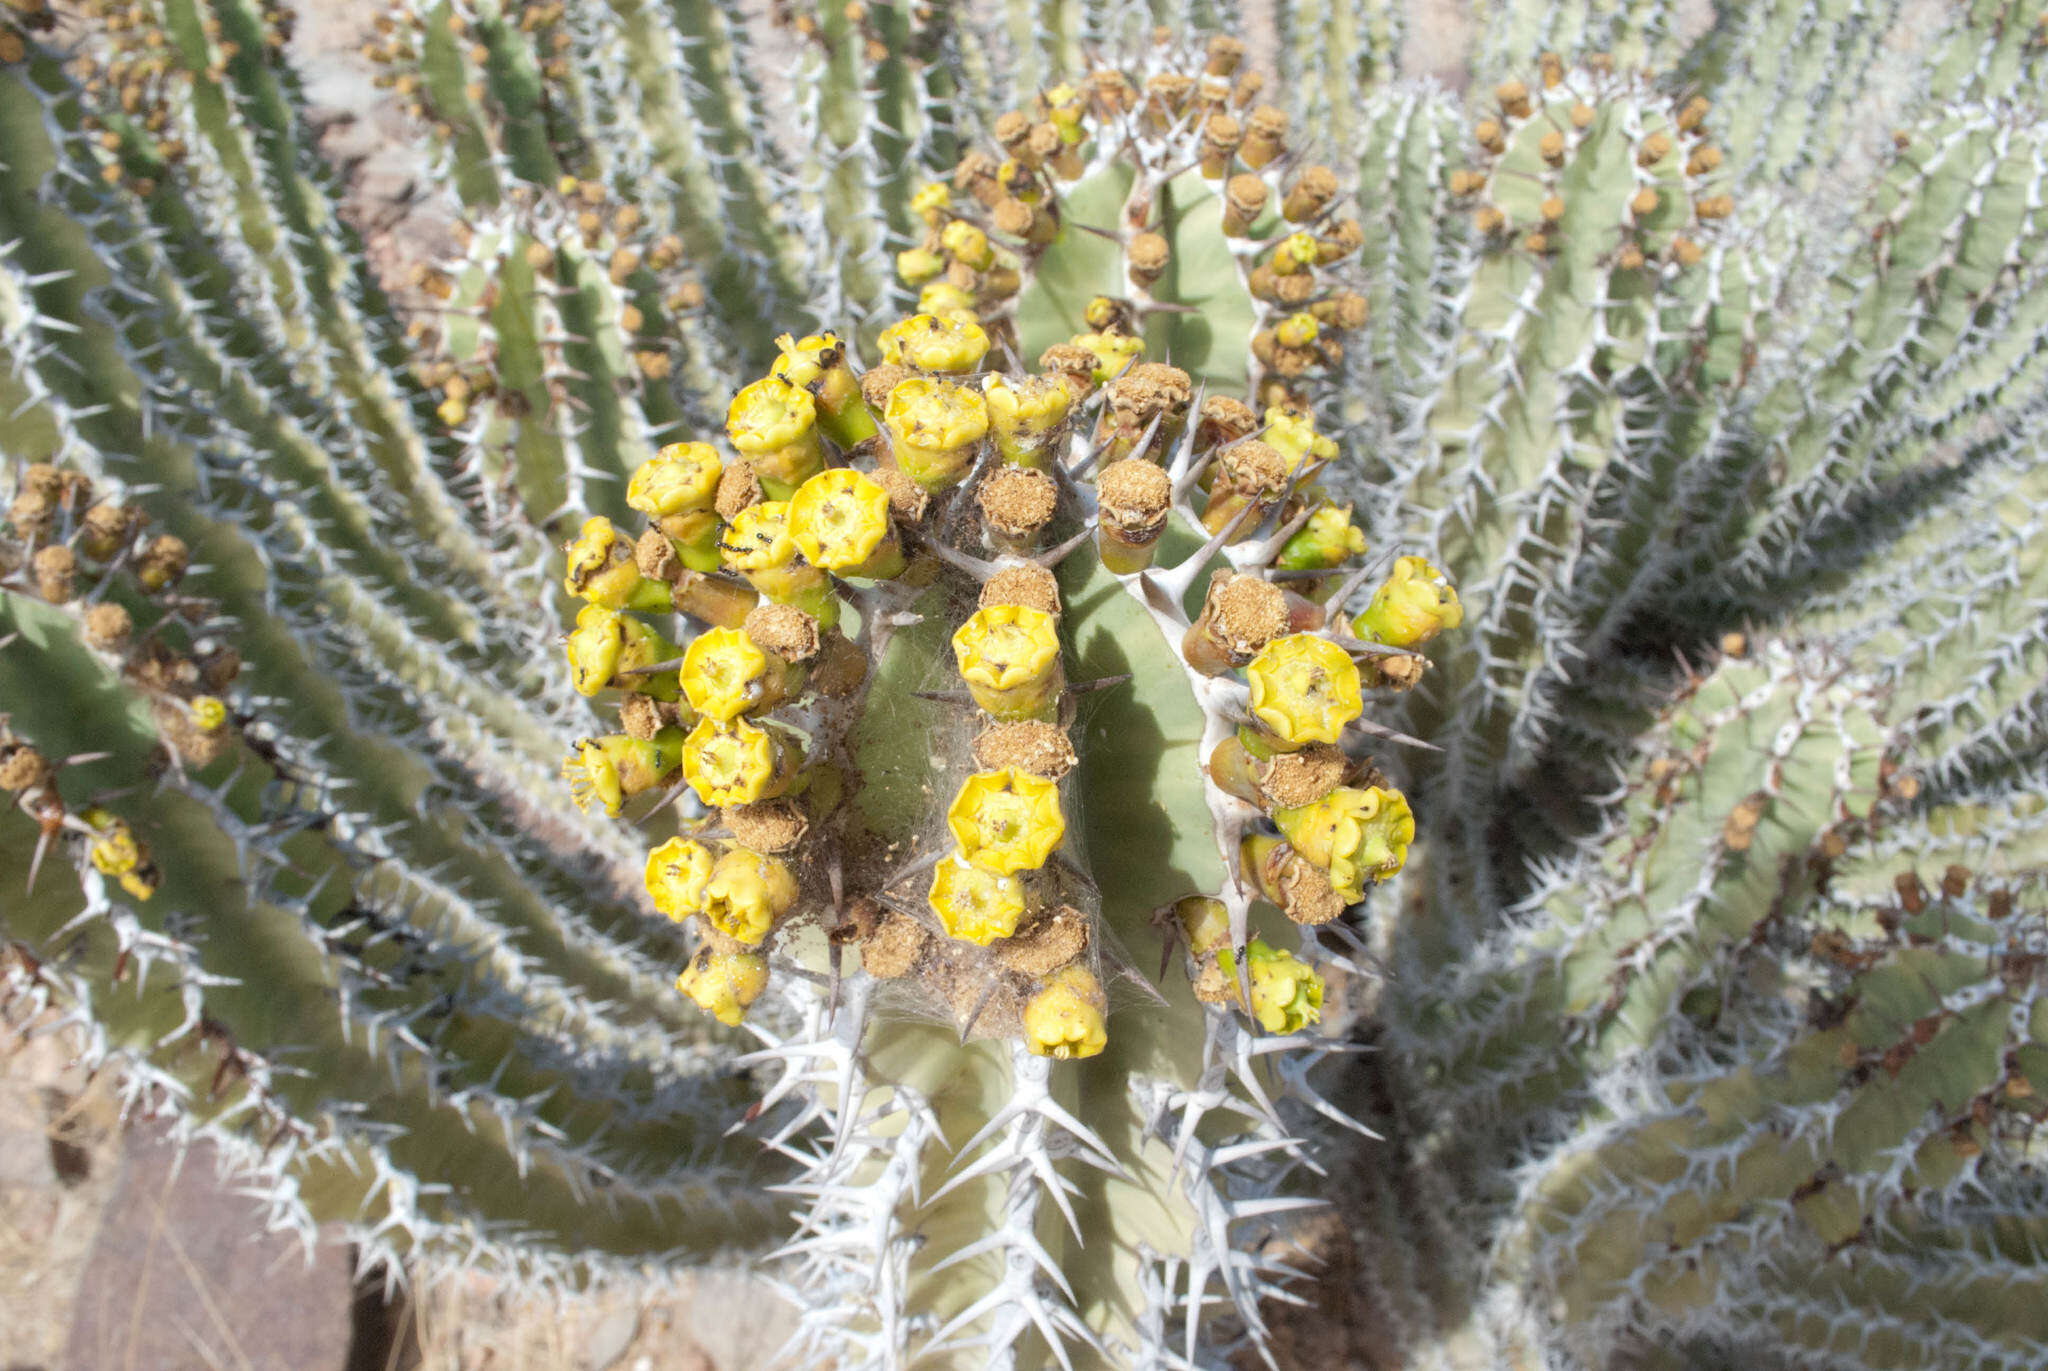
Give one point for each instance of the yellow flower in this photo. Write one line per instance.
(1007, 820)
(612, 769)
(931, 202)
(840, 520)
(1287, 994)
(947, 301)
(1066, 1018)
(723, 984)
(818, 365)
(724, 673)
(1304, 689)
(1027, 414)
(1296, 252)
(1416, 603)
(759, 545)
(968, 245)
(1113, 352)
(1296, 331)
(736, 763)
(915, 266)
(602, 571)
(606, 643)
(677, 873)
(974, 903)
(1063, 108)
(759, 538)
(747, 893)
(1324, 541)
(936, 425)
(1292, 433)
(116, 851)
(1009, 655)
(927, 342)
(1355, 835)
(801, 362)
(208, 712)
(775, 425)
(1205, 922)
(682, 478)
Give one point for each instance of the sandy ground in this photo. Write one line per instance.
(120, 1253)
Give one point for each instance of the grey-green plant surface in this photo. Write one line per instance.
(1708, 366)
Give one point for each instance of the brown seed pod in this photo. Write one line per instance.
(1026, 584)
(1265, 137)
(1147, 257)
(22, 768)
(1038, 748)
(1244, 199)
(108, 627)
(1310, 194)
(1221, 138)
(56, 573)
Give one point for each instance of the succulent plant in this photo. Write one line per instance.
(1044, 495)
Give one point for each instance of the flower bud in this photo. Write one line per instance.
(603, 570)
(612, 769)
(947, 301)
(724, 984)
(747, 893)
(1204, 922)
(1112, 352)
(676, 875)
(1007, 820)
(1323, 542)
(969, 246)
(1354, 835)
(1067, 1017)
(1291, 432)
(915, 266)
(606, 648)
(1414, 605)
(1304, 689)
(1009, 656)
(973, 903)
(1287, 994)
(931, 203)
